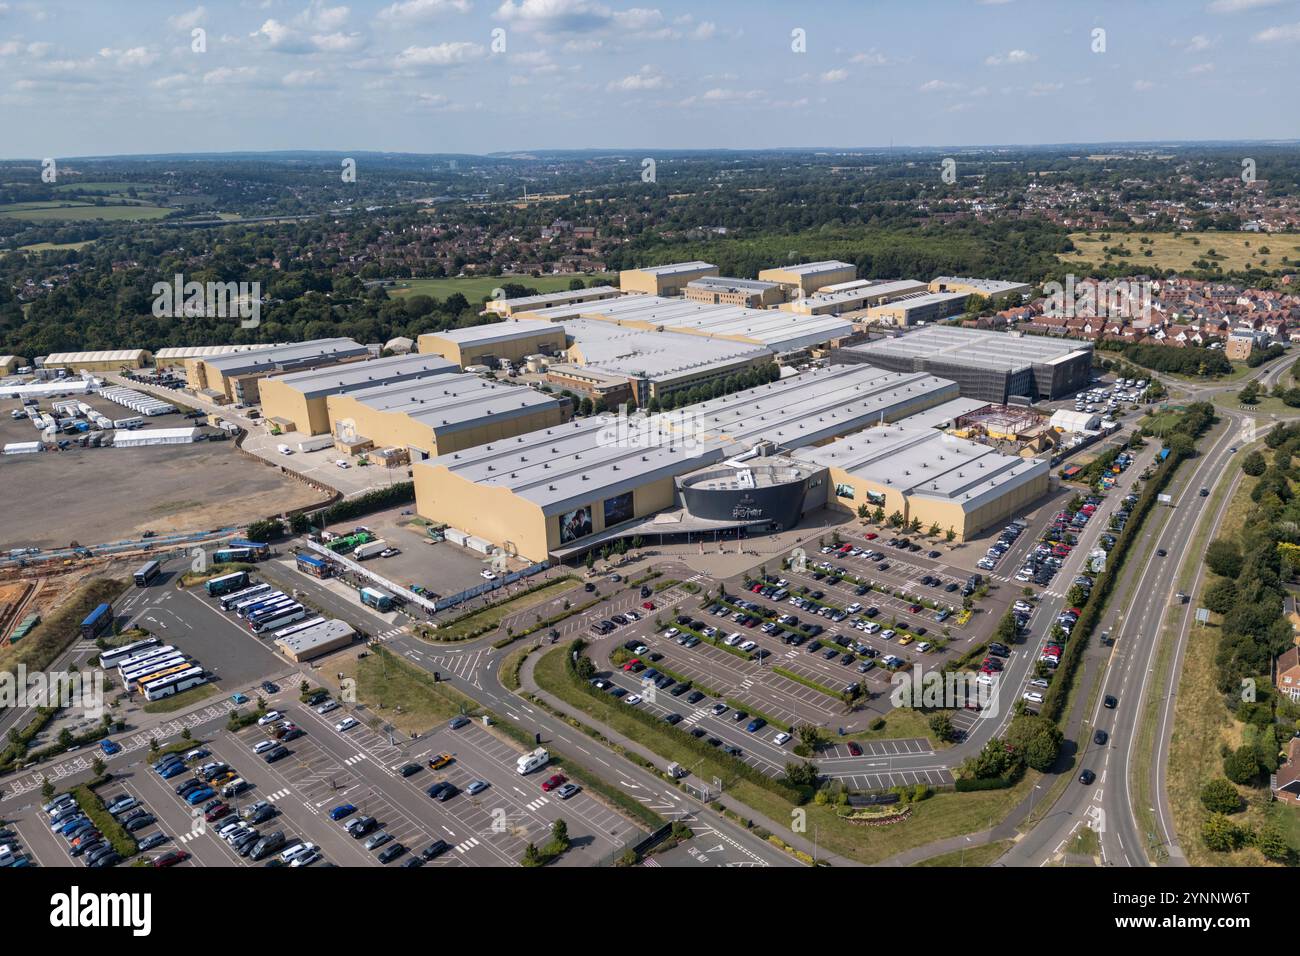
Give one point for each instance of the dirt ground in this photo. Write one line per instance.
(99, 495)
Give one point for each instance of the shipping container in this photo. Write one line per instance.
(380, 600)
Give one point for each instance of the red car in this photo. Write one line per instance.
(171, 859)
(648, 605)
(217, 812)
(550, 783)
(870, 536)
(915, 608)
(756, 588)
(632, 663)
(854, 749)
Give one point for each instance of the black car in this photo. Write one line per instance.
(645, 591)
(697, 732)
(412, 863)
(448, 791)
(695, 697)
(1100, 737)
(1087, 777)
(1111, 702)
(151, 841)
(435, 789)
(410, 769)
(270, 687)
(680, 689)
(391, 853)
(435, 849)
(275, 753)
(589, 587)
(738, 715)
(673, 719)
(361, 826)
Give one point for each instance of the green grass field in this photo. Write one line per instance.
(54, 246)
(478, 288)
(1231, 250)
(79, 212)
(94, 187)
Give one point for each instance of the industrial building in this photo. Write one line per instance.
(312, 642)
(175, 355)
(923, 474)
(108, 360)
(11, 363)
(658, 364)
(852, 296)
(989, 366)
(809, 277)
(236, 377)
(512, 340)
(562, 490)
(721, 290)
(770, 328)
(665, 280)
(438, 413)
(610, 390)
(155, 436)
(297, 402)
(988, 288)
(508, 307)
(914, 309)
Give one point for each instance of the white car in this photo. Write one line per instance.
(1033, 696)
(733, 639)
(748, 646)
(269, 717)
(1038, 682)
(632, 700)
(671, 632)
(340, 463)
(264, 746)
(346, 724)
(640, 649)
(887, 634)
(326, 707)
(781, 739)
(487, 575)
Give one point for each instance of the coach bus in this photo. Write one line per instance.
(191, 677)
(143, 680)
(97, 622)
(230, 600)
(226, 583)
(243, 607)
(271, 610)
(118, 654)
(153, 653)
(288, 616)
(147, 573)
(254, 610)
(143, 673)
(258, 550)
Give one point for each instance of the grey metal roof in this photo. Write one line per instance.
(655, 356)
(728, 284)
(283, 356)
(322, 635)
(494, 332)
(594, 458)
(451, 401)
(558, 298)
(338, 379)
(673, 268)
(973, 347)
(812, 268)
(926, 462)
(989, 287)
(776, 329)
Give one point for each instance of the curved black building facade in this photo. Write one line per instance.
(763, 492)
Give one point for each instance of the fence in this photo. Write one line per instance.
(451, 601)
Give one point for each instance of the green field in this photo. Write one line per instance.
(94, 187)
(54, 246)
(478, 288)
(1178, 251)
(81, 212)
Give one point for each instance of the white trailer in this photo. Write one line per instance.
(369, 549)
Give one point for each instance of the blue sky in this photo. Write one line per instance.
(85, 77)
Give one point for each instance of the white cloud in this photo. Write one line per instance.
(834, 76)
(223, 75)
(647, 78)
(444, 54)
(409, 11)
(305, 78)
(938, 86)
(579, 16)
(1201, 68)
(1237, 6)
(721, 95)
(1285, 33)
(134, 57)
(315, 30)
(1045, 89)
(1143, 86)
(185, 22)
(870, 58)
(1197, 43)
(1013, 58)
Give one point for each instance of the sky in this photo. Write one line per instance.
(100, 77)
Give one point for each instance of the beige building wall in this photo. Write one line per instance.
(400, 430)
(809, 283)
(640, 280)
(550, 341)
(11, 363)
(945, 513)
(137, 361)
(309, 415)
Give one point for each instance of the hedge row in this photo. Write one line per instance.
(1054, 699)
(699, 746)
